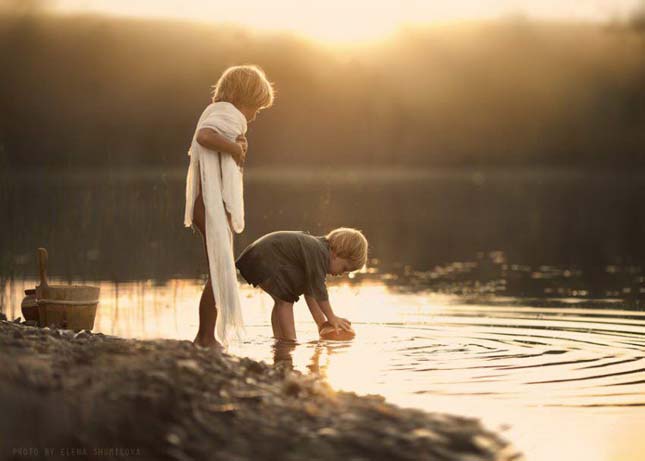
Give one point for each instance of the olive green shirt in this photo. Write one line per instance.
(295, 262)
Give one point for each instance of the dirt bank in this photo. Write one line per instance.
(78, 396)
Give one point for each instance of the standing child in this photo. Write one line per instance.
(214, 193)
(286, 264)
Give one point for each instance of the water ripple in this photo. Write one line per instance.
(537, 357)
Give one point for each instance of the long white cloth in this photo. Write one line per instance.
(221, 183)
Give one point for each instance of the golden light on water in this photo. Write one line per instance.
(347, 21)
(567, 382)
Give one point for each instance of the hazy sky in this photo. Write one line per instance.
(350, 20)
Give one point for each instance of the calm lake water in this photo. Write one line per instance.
(515, 297)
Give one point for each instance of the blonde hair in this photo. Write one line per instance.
(244, 85)
(349, 244)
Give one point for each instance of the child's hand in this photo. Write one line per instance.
(345, 324)
(244, 145)
(340, 323)
(338, 333)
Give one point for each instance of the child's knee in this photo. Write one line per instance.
(282, 305)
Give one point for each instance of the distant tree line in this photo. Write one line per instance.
(84, 91)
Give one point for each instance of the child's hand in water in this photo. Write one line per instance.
(342, 331)
(244, 146)
(340, 323)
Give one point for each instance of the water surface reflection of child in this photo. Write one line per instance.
(286, 264)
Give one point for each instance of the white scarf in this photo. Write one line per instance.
(221, 181)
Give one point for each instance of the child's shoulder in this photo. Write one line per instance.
(292, 237)
(315, 243)
(216, 107)
(223, 107)
(223, 112)
(284, 235)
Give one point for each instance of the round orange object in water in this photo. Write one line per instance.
(328, 332)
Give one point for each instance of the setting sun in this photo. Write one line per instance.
(345, 21)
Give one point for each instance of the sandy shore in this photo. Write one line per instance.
(91, 396)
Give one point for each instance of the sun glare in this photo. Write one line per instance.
(345, 21)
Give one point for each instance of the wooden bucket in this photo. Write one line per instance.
(72, 307)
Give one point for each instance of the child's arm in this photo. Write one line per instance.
(212, 140)
(315, 310)
(336, 322)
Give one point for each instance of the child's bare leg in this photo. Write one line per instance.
(282, 320)
(283, 353)
(207, 318)
(207, 308)
(277, 333)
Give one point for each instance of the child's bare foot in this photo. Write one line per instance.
(210, 342)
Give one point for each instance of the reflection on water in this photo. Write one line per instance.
(565, 381)
(491, 274)
(124, 226)
(511, 295)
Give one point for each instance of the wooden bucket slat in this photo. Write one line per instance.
(72, 307)
(68, 293)
(67, 317)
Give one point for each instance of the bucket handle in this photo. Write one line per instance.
(42, 266)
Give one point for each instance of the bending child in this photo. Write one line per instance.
(286, 264)
(214, 193)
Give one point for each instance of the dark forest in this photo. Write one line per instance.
(79, 92)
